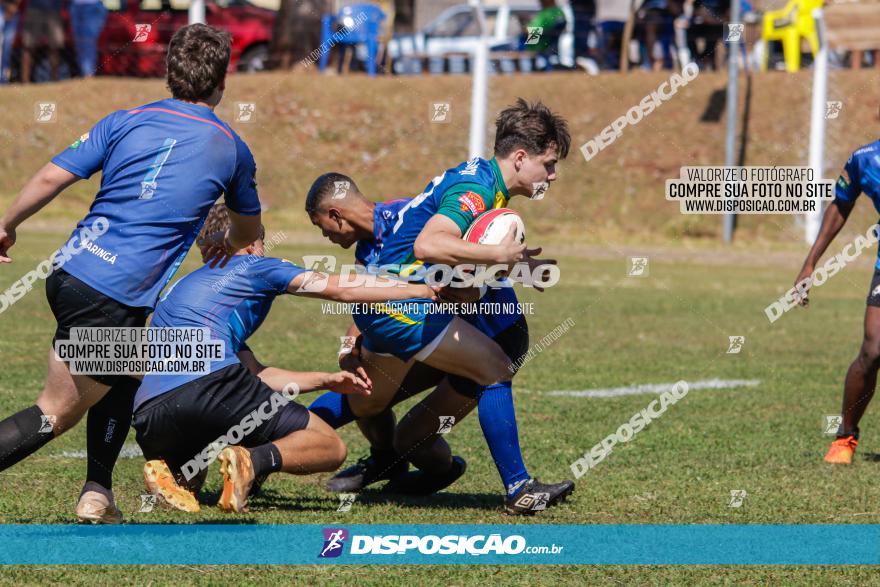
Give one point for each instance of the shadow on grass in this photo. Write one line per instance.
(446, 500)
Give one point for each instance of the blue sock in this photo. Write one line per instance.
(498, 421)
(333, 408)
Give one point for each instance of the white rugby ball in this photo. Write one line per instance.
(491, 227)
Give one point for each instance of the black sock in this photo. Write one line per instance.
(383, 455)
(266, 459)
(108, 424)
(21, 436)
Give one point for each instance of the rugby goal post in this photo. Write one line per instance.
(813, 220)
(197, 11)
(479, 86)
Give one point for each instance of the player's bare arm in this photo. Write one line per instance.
(306, 381)
(41, 189)
(832, 221)
(382, 291)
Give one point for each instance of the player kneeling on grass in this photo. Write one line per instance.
(414, 234)
(179, 417)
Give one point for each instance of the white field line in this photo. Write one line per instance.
(655, 388)
(129, 451)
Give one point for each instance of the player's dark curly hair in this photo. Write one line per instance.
(198, 56)
(530, 126)
(323, 188)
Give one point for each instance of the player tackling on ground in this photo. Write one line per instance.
(163, 165)
(861, 174)
(178, 416)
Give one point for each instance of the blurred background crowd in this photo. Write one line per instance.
(56, 39)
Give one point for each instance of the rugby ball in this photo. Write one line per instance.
(491, 227)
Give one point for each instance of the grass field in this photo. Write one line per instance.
(673, 324)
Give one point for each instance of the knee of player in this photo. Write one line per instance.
(500, 369)
(869, 354)
(340, 453)
(364, 408)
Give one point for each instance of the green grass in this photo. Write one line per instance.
(673, 324)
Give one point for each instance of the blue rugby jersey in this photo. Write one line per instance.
(368, 252)
(861, 174)
(232, 301)
(163, 166)
(461, 194)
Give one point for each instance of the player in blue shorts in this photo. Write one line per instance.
(179, 417)
(163, 165)
(529, 140)
(861, 174)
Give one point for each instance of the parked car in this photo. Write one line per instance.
(137, 32)
(124, 49)
(456, 30)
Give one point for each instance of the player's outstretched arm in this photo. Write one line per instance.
(305, 381)
(832, 221)
(349, 356)
(314, 284)
(41, 189)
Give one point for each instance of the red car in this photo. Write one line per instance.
(137, 32)
(136, 36)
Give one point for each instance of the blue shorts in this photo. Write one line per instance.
(498, 311)
(401, 328)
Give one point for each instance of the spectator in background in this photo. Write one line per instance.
(87, 19)
(545, 28)
(705, 29)
(9, 13)
(654, 24)
(41, 20)
(611, 16)
(583, 12)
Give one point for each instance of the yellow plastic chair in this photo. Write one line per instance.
(790, 25)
